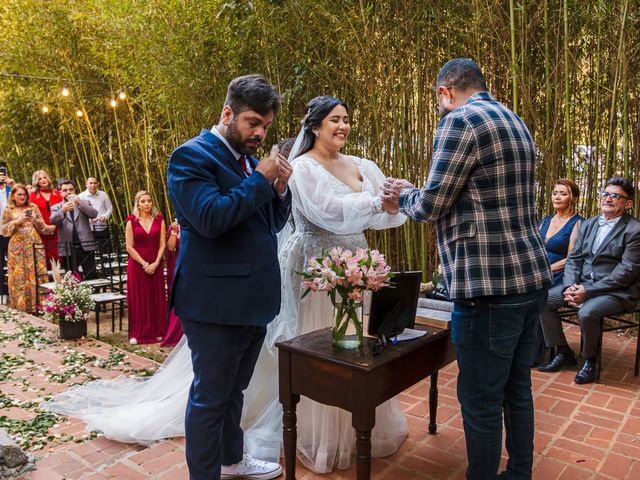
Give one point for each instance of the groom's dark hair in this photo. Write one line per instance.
(461, 73)
(252, 92)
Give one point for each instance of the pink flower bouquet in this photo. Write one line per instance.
(69, 301)
(345, 276)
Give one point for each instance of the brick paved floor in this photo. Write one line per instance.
(582, 432)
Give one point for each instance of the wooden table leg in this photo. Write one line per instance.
(433, 403)
(363, 454)
(290, 435)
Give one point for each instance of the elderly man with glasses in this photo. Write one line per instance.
(601, 277)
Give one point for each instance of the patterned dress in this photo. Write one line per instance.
(20, 257)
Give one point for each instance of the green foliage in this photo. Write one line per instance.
(576, 84)
(30, 434)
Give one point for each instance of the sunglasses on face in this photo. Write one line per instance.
(612, 196)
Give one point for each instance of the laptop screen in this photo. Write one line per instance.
(393, 308)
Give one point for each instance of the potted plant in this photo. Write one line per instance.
(69, 304)
(345, 276)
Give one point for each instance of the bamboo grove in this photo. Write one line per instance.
(569, 68)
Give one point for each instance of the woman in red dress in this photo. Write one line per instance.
(45, 196)
(174, 332)
(146, 297)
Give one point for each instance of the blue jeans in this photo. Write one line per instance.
(493, 337)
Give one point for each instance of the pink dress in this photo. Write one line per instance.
(146, 295)
(174, 332)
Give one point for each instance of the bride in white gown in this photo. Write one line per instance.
(335, 198)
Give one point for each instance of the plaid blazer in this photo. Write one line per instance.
(480, 194)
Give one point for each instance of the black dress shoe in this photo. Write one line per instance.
(559, 361)
(587, 373)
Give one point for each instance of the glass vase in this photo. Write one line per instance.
(347, 329)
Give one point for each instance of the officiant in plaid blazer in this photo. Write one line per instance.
(480, 195)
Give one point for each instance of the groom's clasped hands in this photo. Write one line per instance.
(390, 192)
(276, 169)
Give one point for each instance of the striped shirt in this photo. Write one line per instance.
(480, 194)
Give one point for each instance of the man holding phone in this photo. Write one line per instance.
(76, 244)
(5, 189)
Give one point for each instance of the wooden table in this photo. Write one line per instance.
(356, 381)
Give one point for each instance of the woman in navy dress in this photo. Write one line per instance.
(559, 232)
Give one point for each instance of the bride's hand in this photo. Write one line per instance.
(390, 204)
(393, 186)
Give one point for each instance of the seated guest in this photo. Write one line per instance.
(145, 236)
(601, 277)
(21, 223)
(560, 232)
(174, 331)
(45, 197)
(76, 244)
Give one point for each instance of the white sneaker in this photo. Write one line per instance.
(252, 469)
(133, 341)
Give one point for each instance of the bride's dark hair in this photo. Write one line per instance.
(316, 111)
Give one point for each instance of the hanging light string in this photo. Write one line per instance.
(55, 79)
(65, 92)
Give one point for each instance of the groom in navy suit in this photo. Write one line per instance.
(227, 278)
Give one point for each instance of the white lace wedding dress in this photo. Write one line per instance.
(326, 213)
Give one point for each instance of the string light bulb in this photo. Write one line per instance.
(65, 91)
(45, 109)
(79, 113)
(113, 103)
(122, 95)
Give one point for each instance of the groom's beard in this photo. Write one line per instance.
(234, 137)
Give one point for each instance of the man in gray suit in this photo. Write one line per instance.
(76, 244)
(601, 277)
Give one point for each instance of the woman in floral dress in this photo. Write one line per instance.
(22, 222)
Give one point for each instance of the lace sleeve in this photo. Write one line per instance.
(333, 209)
(374, 175)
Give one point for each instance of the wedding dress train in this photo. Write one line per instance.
(326, 213)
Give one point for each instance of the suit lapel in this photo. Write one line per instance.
(225, 155)
(223, 152)
(591, 235)
(265, 208)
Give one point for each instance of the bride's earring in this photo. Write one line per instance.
(316, 133)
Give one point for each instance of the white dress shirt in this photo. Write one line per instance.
(101, 202)
(3, 199)
(603, 231)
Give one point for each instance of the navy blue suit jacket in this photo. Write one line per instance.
(227, 270)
